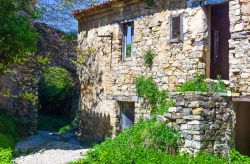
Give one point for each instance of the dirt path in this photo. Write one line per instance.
(49, 148)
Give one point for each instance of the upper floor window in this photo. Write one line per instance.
(176, 28)
(127, 43)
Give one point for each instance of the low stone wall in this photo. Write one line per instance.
(206, 121)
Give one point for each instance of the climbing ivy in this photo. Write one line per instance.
(157, 99)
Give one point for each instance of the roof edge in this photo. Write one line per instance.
(102, 7)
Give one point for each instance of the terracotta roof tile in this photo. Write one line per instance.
(94, 6)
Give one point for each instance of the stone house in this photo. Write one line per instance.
(187, 36)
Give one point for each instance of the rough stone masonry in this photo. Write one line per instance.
(107, 79)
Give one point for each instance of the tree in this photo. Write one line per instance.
(17, 35)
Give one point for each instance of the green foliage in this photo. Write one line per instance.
(149, 57)
(219, 87)
(64, 129)
(29, 96)
(55, 81)
(199, 84)
(149, 2)
(236, 157)
(69, 36)
(136, 144)
(53, 123)
(44, 60)
(128, 50)
(149, 141)
(5, 155)
(17, 36)
(148, 89)
(11, 130)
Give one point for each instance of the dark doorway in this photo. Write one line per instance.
(242, 138)
(219, 36)
(127, 114)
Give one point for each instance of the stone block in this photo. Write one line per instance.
(192, 117)
(194, 104)
(197, 111)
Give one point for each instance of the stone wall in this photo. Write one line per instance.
(206, 121)
(105, 76)
(239, 54)
(107, 79)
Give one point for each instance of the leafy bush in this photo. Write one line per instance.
(55, 81)
(149, 141)
(199, 84)
(11, 130)
(219, 87)
(149, 57)
(17, 35)
(148, 89)
(64, 129)
(136, 144)
(5, 155)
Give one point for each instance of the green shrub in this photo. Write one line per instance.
(136, 144)
(64, 129)
(148, 58)
(197, 84)
(11, 130)
(151, 142)
(219, 87)
(55, 81)
(148, 89)
(236, 157)
(5, 155)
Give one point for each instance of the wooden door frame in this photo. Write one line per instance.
(208, 56)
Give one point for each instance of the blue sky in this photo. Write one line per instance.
(55, 17)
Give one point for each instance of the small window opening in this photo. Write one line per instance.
(127, 46)
(176, 32)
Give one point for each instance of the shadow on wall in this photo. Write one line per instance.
(95, 126)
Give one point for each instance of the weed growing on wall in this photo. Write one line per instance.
(199, 84)
(148, 58)
(148, 89)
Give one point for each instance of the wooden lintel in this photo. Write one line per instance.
(241, 99)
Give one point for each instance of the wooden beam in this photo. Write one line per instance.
(241, 99)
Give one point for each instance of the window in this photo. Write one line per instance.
(127, 45)
(176, 28)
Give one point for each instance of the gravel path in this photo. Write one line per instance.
(48, 148)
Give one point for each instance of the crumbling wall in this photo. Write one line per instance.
(206, 121)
